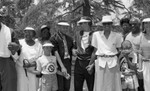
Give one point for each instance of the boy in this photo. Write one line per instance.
(128, 73)
(47, 66)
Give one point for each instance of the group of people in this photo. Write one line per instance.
(105, 59)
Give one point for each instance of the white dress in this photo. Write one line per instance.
(29, 82)
(107, 74)
(145, 47)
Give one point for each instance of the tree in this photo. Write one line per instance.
(24, 13)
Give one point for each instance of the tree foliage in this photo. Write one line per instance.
(24, 13)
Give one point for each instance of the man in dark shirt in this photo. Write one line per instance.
(63, 44)
(83, 52)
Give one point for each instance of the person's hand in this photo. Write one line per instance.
(64, 70)
(90, 68)
(13, 47)
(26, 63)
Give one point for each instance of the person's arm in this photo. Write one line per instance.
(14, 46)
(63, 69)
(38, 69)
(91, 63)
(34, 71)
(132, 66)
(93, 57)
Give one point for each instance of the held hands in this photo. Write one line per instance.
(64, 73)
(64, 70)
(90, 68)
(13, 47)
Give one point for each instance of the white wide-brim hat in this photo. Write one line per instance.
(29, 28)
(63, 24)
(146, 20)
(107, 19)
(83, 21)
(48, 45)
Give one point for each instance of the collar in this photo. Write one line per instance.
(102, 33)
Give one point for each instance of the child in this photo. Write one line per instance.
(128, 71)
(47, 66)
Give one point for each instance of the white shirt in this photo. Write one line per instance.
(47, 64)
(85, 40)
(5, 39)
(31, 53)
(107, 47)
(135, 40)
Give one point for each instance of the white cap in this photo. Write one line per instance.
(63, 23)
(29, 28)
(146, 20)
(48, 44)
(82, 20)
(107, 19)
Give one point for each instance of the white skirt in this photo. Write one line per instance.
(107, 79)
(146, 75)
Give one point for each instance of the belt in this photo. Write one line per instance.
(83, 59)
(106, 56)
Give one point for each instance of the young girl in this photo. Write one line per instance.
(47, 66)
(128, 72)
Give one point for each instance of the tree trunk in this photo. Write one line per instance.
(86, 8)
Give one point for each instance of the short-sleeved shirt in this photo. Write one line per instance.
(47, 64)
(107, 47)
(135, 40)
(124, 65)
(31, 53)
(5, 39)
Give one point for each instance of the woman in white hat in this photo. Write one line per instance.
(106, 43)
(31, 50)
(145, 48)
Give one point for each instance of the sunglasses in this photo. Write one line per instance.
(104, 24)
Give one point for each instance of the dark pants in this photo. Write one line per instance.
(63, 83)
(8, 74)
(141, 85)
(81, 74)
